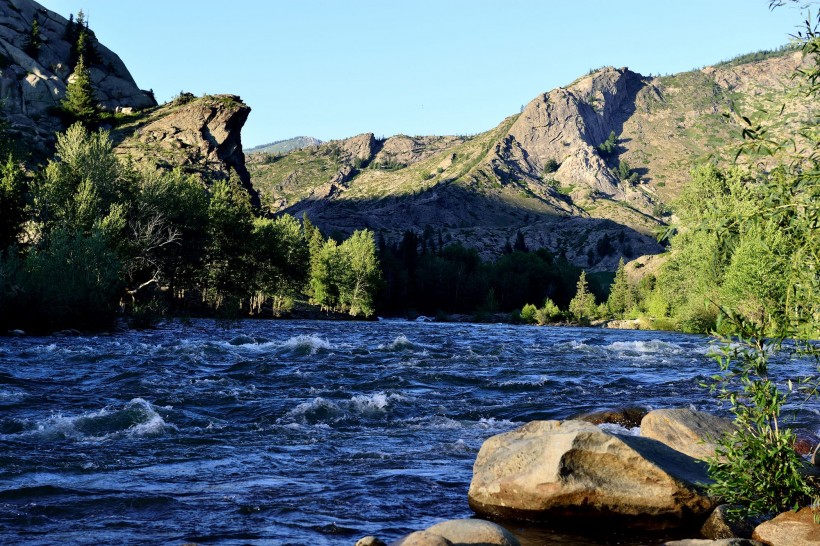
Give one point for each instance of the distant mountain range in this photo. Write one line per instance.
(284, 146)
(587, 170)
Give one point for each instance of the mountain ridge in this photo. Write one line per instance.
(543, 172)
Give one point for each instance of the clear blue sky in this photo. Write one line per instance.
(335, 68)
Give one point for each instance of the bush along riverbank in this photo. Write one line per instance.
(589, 478)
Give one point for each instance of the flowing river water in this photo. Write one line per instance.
(279, 432)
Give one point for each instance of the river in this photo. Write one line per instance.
(296, 432)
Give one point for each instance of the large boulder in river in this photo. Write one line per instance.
(692, 432)
(551, 469)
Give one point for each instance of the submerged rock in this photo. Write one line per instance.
(460, 532)
(370, 541)
(473, 531)
(688, 431)
(626, 417)
(551, 469)
(789, 529)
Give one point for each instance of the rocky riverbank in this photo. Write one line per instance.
(586, 473)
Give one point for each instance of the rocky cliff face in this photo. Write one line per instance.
(200, 135)
(31, 86)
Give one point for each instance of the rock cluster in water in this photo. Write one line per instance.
(575, 471)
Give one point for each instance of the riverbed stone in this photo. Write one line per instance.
(688, 431)
(558, 470)
(789, 529)
(720, 525)
(370, 541)
(473, 532)
(422, 538)
(720, 542)
(629, 417)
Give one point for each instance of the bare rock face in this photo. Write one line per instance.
(789, 529)
(566, 124)
(361, 147)
(553, 469)
(203, 136)
(31, 86)
(692, 432)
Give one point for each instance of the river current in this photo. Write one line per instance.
(279, 432)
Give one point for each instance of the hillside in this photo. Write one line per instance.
(541, 172)
(284, 146)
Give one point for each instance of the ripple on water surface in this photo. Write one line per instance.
(276, 432)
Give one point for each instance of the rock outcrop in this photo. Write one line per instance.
(200, 135)
(552, 469)
(32, 85)
(692, 432)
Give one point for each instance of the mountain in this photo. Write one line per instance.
(200, 135)
(552, 172)
(33, 79)
(284, 146)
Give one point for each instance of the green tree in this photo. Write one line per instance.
(621, 296)
(34, 41)
(81, 183)
(79, 102)
(326, 269)
(282, 259)
(12, 202)
(229, 260)
(360, 268)
(756, 466)
(582, 306)
(608, 147)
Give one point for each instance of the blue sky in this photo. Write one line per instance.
(333, 69)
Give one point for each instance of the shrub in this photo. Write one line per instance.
(528, 313)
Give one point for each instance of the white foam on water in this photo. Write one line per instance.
(378, 401)
(105, 424)
(438, 422)
(614, 428)
(496, 424)
(307, 343)
(644, 347)
(399, 344)
(527, 381)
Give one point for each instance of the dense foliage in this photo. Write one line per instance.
(422, 274)
(88, 236)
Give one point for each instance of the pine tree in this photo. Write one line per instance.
(582, 305)
(79, 100)
(34, 41)
(620, 295)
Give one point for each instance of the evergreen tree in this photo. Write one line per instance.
(582, 305)
(79, 102)
(34, 41)
(620, 295)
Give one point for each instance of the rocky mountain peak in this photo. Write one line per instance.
(32, 83)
